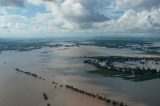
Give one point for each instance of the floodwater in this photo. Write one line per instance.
(17, 89)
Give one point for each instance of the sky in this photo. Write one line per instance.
(83, 17)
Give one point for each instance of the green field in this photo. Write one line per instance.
(106, 72)
(152, 53)
(112, 73)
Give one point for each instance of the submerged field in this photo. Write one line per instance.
(64, 65)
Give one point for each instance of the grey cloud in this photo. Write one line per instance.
(151, 21)
(56, 1)
(49, 0)
(95, 8)
(136, 4)
(12, 3)
(83, 15)
(95, 17)
(133, 21)
(82, 12)
(150, 3)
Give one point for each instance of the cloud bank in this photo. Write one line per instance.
(110, 16)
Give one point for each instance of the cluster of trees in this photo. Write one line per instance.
(115, 103)
(35, 76)
(123, 58)
(27, 45)
(46, 98)
(29, 73)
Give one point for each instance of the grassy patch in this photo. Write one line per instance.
(142, 78)
(105, 72)
(152, 53)
(112, 73)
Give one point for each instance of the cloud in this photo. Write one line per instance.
(83, 16)
(12, 3)
(35, 2)
(136, 4)
(133, 22)
(77, 10)
(13, 23)
(3, 11)
(77, 14)
(41, 23)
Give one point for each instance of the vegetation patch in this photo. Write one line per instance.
(106, 72)
(112, 73)
(152, 53)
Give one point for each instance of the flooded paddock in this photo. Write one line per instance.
(61, 66)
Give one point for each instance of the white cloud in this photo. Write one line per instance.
(3, 11)
(76, 10)
(133, 21)
(83, 16)
(13, 23)
(35, 2)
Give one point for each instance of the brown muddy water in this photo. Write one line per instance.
(17, 89)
